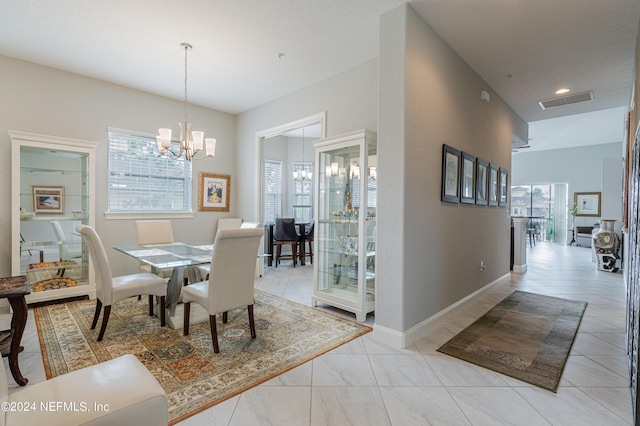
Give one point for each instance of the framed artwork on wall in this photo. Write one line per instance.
(502, 195)
(482, 174)
(214, 191)
(48, 199)
(450, 174)
(587, 203)
(494, 184)
(468, 179)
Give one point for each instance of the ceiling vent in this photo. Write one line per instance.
(566, 100)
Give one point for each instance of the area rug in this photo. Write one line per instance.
(526, 336)
(288, 334)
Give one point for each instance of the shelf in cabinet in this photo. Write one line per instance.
(346, 272)
(48, 171)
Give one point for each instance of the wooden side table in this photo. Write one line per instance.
(14, 289)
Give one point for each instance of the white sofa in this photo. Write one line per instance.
(120, 391)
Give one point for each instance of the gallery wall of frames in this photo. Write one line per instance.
(472, 180)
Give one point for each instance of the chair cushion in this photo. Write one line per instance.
(198, 292)
(124, 388)
(134, 284)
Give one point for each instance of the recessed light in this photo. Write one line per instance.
(562, 91)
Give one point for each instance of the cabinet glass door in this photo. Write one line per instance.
(53, 201)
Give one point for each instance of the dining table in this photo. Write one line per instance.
(181, 257)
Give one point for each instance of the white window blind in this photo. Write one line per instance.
(140, 181)
(302, 195)
(272, 203)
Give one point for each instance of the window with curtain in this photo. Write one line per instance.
(302, 195)
(272, 203)
(140, 181)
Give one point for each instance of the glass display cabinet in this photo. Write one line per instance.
(345, 222)
(52, 187)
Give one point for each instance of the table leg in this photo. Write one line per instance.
(301, 253)
(18, 323)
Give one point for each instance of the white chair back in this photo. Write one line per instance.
(101, 265)
(233, 268)
(65, 252)
(154, 232)
(229, 223)
(251, 225)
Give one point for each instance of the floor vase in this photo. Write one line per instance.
(606, 245)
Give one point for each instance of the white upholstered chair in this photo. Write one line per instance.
(227, 223)
(230, 283)
(66, 250)
(124, 385)
(154, 232)
(110, 290)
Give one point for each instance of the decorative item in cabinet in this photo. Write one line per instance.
(55, 179)
(345, 222)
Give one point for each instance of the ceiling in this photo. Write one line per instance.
(247, 53)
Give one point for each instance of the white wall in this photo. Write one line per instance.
(429, 252)
(47, 101)
(596, 168)
(349, 99)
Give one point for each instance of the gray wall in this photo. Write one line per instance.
(47, 101)
(596, 168)
(429, 252)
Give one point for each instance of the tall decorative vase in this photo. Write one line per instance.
(606, 244)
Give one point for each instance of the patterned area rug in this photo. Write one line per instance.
(526, 336)
(44, 276)
(288, 334)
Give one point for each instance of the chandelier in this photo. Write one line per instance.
(191, 142)
(302, 174)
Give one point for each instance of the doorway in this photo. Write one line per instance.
(283, 151)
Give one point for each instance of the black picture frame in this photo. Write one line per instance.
(482, 178)
(493, 184)
(503, 192)
(450, 174)
(467, 178)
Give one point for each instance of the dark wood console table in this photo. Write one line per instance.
(14, 289)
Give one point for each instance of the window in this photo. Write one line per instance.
(272, 191)
(140, 181)
(302, 195)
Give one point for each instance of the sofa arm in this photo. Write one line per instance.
(120, 391)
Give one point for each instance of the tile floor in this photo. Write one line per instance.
(366, 383)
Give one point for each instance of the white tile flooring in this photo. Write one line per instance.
(366, 383)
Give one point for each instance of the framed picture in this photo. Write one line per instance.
(482, 177)
(502, 195)
(48, 199)
(450, 174)
(214, 191)
(468, 179)
(588, 203)
(494, 184)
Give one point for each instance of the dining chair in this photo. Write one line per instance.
(151, 232)
(308, 240)
(230, 223)
(66, 251)
(285, 234)
(230, 283)
(110, 289)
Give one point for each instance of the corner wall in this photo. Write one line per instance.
(429, 252)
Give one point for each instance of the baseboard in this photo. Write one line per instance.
(520, 269)
(399, 340)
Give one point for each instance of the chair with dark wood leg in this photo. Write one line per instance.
(231, 279)
(285, 234)
(110, 289)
